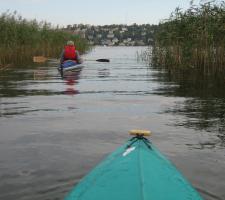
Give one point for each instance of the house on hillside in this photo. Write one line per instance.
(115, 40)
(99, 35)
(110, 35)
(121, 44)
(115, 29)
(124, 29)
(90, 37)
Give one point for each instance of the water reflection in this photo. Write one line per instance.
(204, 105)
(71, 79)
(40, 74)
(24, 82)
(103, 73)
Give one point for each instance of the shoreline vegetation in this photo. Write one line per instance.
(21, 39)
(194, 38)
(190, 39)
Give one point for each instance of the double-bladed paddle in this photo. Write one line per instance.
(103, 60)
(99, 60)
(40, 59)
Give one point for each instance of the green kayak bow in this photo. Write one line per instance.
(135, 171)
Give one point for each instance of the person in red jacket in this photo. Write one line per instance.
(70, 53)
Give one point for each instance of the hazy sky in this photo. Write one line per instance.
(98, 12)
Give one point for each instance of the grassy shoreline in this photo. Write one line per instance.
(194, 38)
(21, 39)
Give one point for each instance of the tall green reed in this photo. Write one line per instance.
(192, 38)
(21, 39)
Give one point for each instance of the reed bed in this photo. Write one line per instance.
(21, 39)
(144, 56)
(193, 38)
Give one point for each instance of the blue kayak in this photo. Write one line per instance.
(70, 65)
(135, 171)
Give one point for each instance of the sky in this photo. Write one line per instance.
(96, 12)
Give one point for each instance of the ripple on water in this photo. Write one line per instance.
(55, 129)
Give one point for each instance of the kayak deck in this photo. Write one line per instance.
(135, 171)
(70, 65)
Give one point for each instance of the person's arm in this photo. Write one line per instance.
(62, 57)
(79, 59)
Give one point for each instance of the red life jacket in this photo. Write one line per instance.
(70, 53)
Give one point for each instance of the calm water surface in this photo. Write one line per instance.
(53, 130)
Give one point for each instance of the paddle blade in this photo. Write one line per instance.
(103, 60)
(39, 59)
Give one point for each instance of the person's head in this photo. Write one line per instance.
(70, 43)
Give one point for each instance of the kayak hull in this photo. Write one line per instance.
(70, 66)
(135, 172)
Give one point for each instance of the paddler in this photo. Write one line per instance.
(70, 53)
